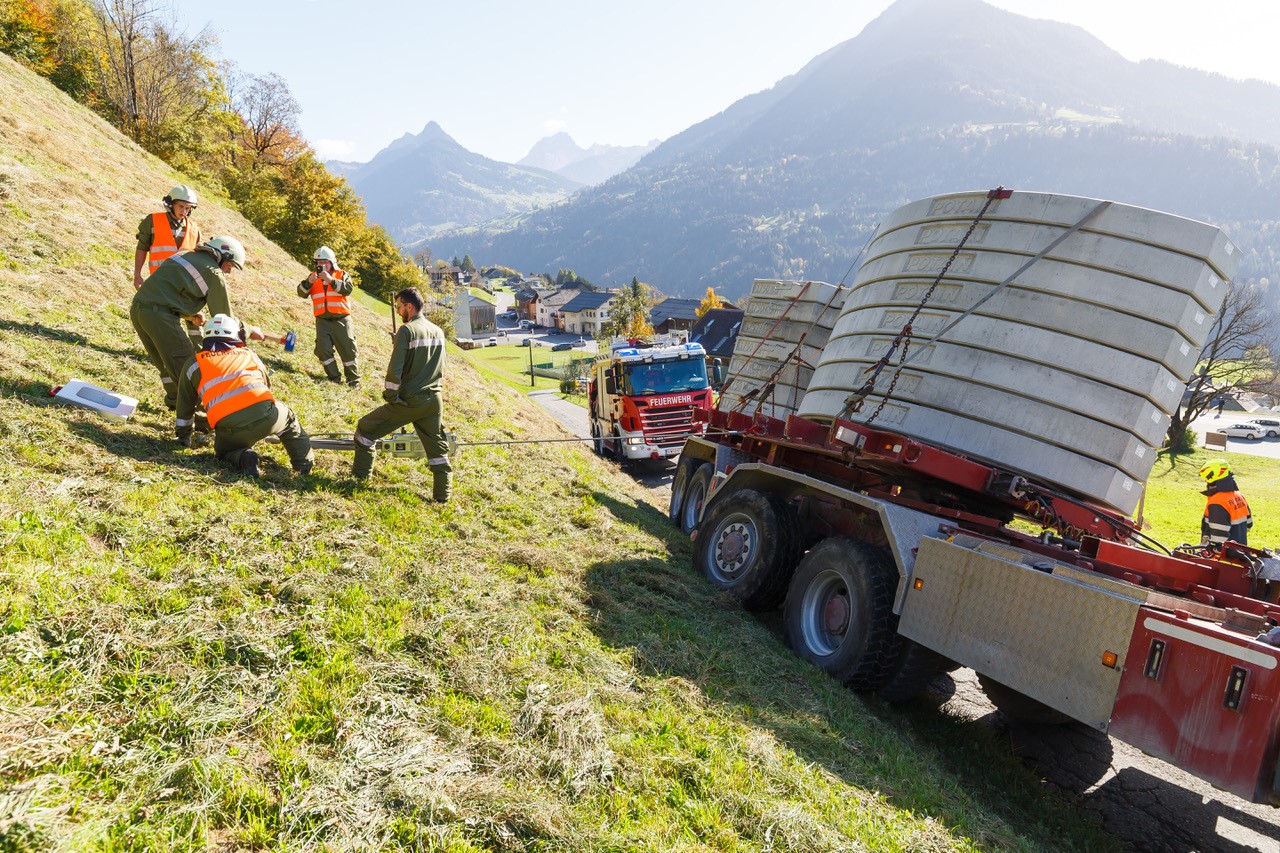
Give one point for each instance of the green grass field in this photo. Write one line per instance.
(193, 661)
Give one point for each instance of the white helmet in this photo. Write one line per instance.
(222, 326)
(226, 249)
(324, 253)
(181, 192)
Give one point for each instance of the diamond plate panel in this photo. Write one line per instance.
(1032, 624)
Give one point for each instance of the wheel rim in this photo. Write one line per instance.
(693, 498)
(825, 613)
(733, 548)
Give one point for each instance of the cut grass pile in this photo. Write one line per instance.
(190, 660)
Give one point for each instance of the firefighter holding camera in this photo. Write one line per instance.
(329, 289)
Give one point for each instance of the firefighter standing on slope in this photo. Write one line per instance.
(328, 288)
(1226, 513)
(178, 291)
(232, 385)
(163, 235)
(412, 393)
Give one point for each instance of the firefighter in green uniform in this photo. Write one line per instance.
(179, 290)
(413, 395)
(164, 234)
(232, 384)
(329, 289)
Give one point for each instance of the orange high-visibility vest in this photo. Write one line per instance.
(230, 380)
(325, 300)
(1233, 502)
(164, 244)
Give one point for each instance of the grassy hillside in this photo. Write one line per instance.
(190, 660)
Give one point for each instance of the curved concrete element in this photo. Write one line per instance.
(1066, 369)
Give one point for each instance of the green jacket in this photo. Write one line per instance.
(189, 397)
(417, 363)
(186, 284)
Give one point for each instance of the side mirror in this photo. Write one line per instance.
(717, 372)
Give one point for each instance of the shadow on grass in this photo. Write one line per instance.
(675, 624)
(164, 450)
(65, 336)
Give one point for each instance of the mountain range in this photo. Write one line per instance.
(932, 96)
(594, 165)
(424, 183)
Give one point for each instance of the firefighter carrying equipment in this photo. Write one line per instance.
(230, 380)
(164, 244)
(1215, 470)
(326, 300)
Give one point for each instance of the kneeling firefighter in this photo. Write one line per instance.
(232, 384)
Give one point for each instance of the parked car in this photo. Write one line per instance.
(1270, 427)
(579, 343)
(561, 346)
(525, 324)
(492, 342)
(1252, 432)
(527, 342)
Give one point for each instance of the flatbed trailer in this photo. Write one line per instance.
(894, 560)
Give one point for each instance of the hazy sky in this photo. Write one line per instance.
(499, 76)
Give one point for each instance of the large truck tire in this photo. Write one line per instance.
(1019, 708)
(680, 484)
(839, 612)
(597, 442)
(749, 543)
(696, 495)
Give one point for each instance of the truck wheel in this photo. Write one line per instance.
(679, 485)
(748, 544)
(597, 443)
(695, 496)
(839, 612)
(1019, 708)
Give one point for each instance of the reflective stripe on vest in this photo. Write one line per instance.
(195, 274)
(163, 244)
(230, 380)
(325, 300)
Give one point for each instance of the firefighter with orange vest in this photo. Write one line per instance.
(329, 289)
(1226, 513)
(163, 235)
(232, 385)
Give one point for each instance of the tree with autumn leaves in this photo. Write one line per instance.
(230, 133)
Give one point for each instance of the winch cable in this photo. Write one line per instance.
(344, 441)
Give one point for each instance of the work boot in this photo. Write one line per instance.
(304, 467)
(442, 483)
(249, 464)
(354, 383)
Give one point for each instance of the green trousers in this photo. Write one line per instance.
(337, 333)
(425, 418)
(164, 337)
(239, 431)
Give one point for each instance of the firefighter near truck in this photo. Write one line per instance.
(646, 397)
(905, 529)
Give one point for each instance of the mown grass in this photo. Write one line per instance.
(190, 660)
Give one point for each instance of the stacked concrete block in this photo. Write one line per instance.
(1068, 371)
(784, 330)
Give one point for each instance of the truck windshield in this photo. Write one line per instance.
(664, 377)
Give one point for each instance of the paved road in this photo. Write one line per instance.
(656, 475)
(1262, 447)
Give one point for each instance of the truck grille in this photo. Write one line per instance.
(667, 426)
